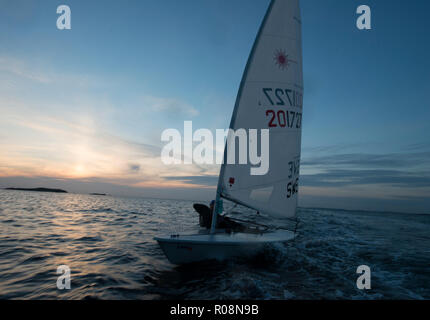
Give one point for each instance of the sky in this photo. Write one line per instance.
(84, 109)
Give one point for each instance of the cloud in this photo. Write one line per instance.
(332, 148)
(62, 130)
(401, 169)
(417, 146)
(396, 181)
(134, 168)
(360, 160)
(210, 181)
(38, 144)
(171, 107)
(403, 204)
(12, 67)
(63, 147)
(18, 68)
(342, 178)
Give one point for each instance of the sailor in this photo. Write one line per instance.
(212, 206)
(223, 222)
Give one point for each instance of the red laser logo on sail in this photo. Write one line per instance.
(282, 60)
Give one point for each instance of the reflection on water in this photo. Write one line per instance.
(108, 244)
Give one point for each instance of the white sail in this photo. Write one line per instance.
(270, 97)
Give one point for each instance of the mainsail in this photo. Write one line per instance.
(270, 97)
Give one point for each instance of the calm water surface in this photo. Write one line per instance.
(108, 244)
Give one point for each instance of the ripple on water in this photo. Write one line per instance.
(108, 244)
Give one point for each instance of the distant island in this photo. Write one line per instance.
(98, 194)
(38, 190)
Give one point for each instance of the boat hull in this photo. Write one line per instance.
(183, 249)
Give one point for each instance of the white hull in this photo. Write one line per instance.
(182, 249)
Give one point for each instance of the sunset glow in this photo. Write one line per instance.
(87, 115)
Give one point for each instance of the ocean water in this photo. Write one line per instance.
(108, 244)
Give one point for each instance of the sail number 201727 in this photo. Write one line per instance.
(281, 118)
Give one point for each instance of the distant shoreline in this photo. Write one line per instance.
(38, 190)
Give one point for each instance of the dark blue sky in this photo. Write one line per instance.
(75, 102)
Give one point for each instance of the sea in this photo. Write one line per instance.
(107, 243)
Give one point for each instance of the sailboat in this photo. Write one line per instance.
(270, 97)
